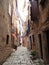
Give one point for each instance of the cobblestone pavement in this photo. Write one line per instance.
(20, 57)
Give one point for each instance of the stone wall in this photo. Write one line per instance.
(38, 30)
(5, 29)
(5, 22)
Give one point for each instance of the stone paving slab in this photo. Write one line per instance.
(20, 57)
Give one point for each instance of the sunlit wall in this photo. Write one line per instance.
(23, 14)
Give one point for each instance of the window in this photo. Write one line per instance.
(47, 16)
(33, 38)
(7, 39)
(31, 42)
(43, 2)
(29, 0)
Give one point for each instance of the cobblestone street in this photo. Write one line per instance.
(20, 57)
(24, 32)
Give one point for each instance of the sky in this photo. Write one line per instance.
(23, 13)
(22, 8)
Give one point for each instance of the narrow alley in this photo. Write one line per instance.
(20, 57)
(24, 32)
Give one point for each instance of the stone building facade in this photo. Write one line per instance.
(5, 29)
(15, 25)
(39, 33)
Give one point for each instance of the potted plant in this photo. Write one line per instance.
(34, 54)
